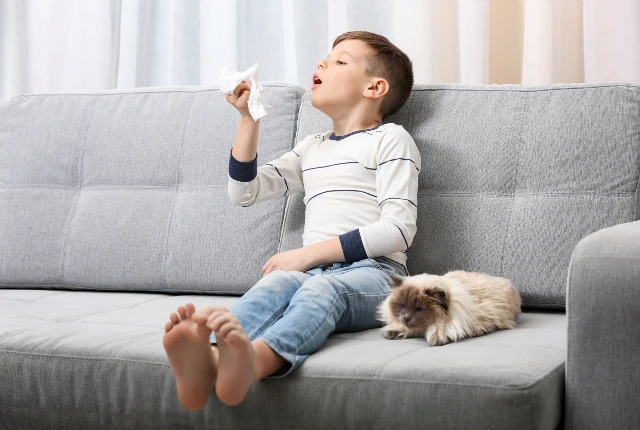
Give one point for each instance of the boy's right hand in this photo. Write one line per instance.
(240, 98)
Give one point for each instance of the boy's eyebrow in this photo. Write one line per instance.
(342, 52)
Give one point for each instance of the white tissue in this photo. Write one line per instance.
(230, 79)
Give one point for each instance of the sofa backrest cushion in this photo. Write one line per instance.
(512, 177)
(127, 190)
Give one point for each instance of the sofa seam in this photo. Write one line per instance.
(287, 200)
(83, 144)
(117, 91)
(34, 300)
(637, 146)
(79, 288)
(125, 324)
(111, 187)
(135, 340)
(12, 335)
(578, 87)
(443, 193)
(95, 313)
(178, 177)
(213, 187)
(91, 412)
(391, 360)
(285, 211)
(79, 357)
(521, 194)
(275, 84)
(116, 309)
(207, 293)
(515, 183)
(608, 258)
(568, 292)
(402, 381)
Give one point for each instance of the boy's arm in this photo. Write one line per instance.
(248, 183)
(398, 162)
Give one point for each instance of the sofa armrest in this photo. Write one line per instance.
(603, 316)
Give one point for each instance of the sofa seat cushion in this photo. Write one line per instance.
(72, 359)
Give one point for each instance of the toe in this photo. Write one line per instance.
(190, 309)
(182, 311)
(174, 318)
(211, 320)
(226, 329)
(168, 326)
(203, 314)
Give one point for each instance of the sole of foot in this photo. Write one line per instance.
(192, 359)
(236, 361)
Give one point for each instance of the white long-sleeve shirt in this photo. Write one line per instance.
(361, 187)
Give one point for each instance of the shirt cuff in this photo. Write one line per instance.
(243, 171)
(352, 246)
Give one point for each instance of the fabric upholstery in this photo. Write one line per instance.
(114, 211)
(512, 177)
(95, 360)
(603, 296)
(127, 190)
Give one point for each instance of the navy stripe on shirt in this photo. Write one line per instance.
(356, 162)
(336, 164)
(407, 159)
(405, 240)
(397, 198)
(285, 181)
(329, 191)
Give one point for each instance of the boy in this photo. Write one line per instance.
(360, 184)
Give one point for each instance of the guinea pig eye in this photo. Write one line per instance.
(419, 308)
(401, 306)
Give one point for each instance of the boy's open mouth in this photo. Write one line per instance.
(316, 79)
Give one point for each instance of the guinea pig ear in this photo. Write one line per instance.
(395, 281)
(439, 295)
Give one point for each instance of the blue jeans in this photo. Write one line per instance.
(295, 312)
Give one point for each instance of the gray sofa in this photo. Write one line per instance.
(114, 211)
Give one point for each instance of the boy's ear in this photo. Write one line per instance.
(395, 280)
(378, 88)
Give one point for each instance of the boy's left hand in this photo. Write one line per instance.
(296, 260)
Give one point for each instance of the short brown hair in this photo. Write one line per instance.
(388, 62)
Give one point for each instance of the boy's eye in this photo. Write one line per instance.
(341, 62)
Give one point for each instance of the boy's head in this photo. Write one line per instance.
(363, 72)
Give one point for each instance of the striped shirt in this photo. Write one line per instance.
(361, 187)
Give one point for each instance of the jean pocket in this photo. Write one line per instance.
(375, 264)
(388, 267)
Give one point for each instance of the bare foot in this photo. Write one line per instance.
(192, 358)
(236, 365)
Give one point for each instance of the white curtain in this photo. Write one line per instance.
(77, 45)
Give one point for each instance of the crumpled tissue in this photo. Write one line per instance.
(230, 79)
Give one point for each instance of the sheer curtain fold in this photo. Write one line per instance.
(76, 45)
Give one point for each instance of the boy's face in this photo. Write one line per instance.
(344, 82)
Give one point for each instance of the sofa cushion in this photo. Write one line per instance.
(512, 177)
(127, 190)
(82, 359)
